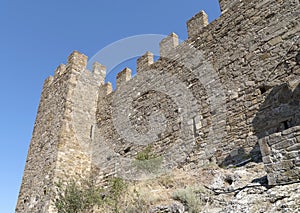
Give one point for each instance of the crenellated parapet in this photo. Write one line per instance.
(48, 81)
(100, 71)
(123, 76)
(77, 62)
(145, 61)
(197, 23)
(60, 70)
(77, 65)
(105, 89)
(168, 44)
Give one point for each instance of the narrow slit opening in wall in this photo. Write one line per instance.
(285, 125)
(195, 128)
(92, 132)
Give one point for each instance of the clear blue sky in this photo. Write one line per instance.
(37, 36)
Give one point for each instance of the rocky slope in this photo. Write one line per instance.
(214, 189)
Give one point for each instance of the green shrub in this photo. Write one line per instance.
(77, 198)
(149, 166)
(189, 198)
(147, 161)
(137, 204)
(146, 154)
(117, 188)
(82, 198)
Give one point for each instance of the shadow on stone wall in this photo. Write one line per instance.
(239, 157)
(279, 111)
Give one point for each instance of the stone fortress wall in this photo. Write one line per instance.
(231, 85)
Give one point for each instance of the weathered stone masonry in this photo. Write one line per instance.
(54, 152)
(281, 155)
(277, 124)
(254, 50)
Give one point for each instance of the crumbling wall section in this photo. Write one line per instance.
(281, 156)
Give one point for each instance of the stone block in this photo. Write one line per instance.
(267, 160)
(275, 41)
(295, 147)
(275, 138)
(297, 162)
(284, 144)
(264, 147)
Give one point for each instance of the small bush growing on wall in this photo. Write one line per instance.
(146, 154)
(148, 161)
